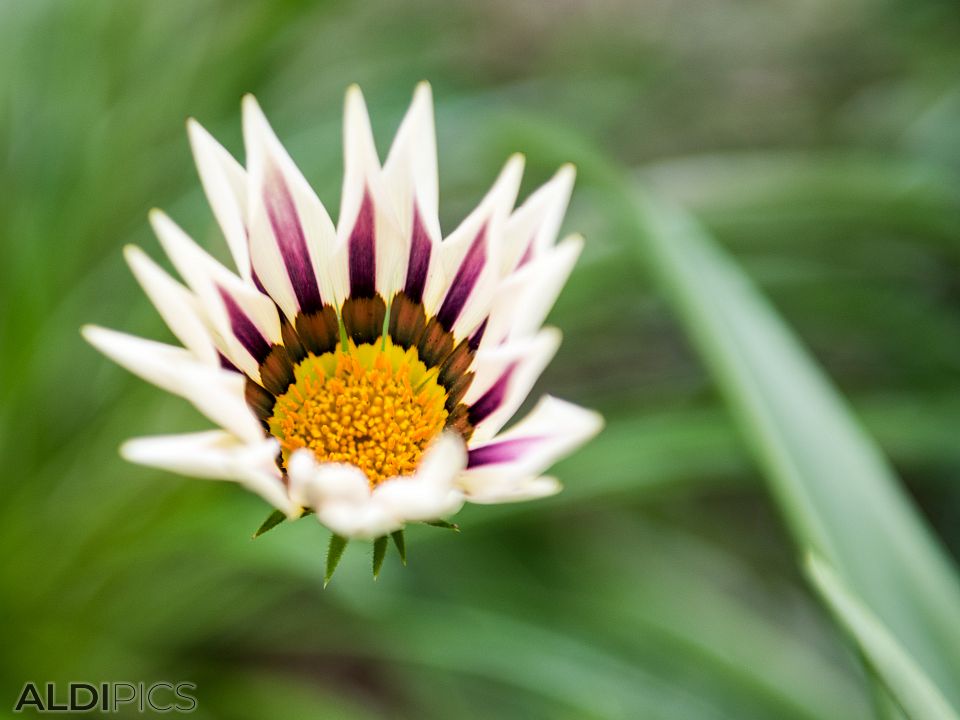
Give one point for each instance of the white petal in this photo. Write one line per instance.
(208, 278)
(272, 174)
(530, 488)
(217, 393)
(216, 455)
(431, 492)
(368, 520)
(210, 454)
(524, 298)
(553, 429)
(363, 182)
(225, 184)
(410, 172)
(533, 227)
(340, 496)
(313, 483)
(176, 305)
(486, 220)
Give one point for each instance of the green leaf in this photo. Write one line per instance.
(443, 524)
(836, 491)
(379, 553)
(338, 544)
(401, 544)
(900, 674)
(273, 519)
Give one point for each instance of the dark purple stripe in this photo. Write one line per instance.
(290, 239)
(256, 281)
(363, 257)
(503, 451)
(464, 281)
(492, 398)
(420, 249)
(225, 362)
(244, 329)
(477, 336)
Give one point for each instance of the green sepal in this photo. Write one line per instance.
(344, 340)
(443, 524)
(401, 544)
(277, 517)
(379, 553)
(335, 549)
(273, 519)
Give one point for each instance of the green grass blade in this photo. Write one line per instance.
(833, 486)
(899, 673)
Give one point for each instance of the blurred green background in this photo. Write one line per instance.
(817, 140)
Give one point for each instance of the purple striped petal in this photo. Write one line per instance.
(285, 222)
(363, 258)
(243, 328)
(502, 452)
(464, 281)
(493, 398)
(420, 249)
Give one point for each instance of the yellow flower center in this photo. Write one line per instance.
(375, 406)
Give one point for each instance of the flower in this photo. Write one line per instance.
(362, 371)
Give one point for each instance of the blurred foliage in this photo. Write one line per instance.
(816, 140)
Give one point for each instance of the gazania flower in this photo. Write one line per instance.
(363, 371)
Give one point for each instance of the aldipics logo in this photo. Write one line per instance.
(108, 697)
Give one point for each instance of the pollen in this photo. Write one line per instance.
(375, 406)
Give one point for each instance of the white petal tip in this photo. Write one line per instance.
(137, 260)
(592, 423)
(250, 110)
(135, 256)
(563, 180)
(131, 451)
(545, 486)
(510, 176)
(423, 93)
(532, 488)
(355, 110)
(158, 218)
(551, 337)
(100, 337)
(196, 133)
(516, 162)
(89, 333)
